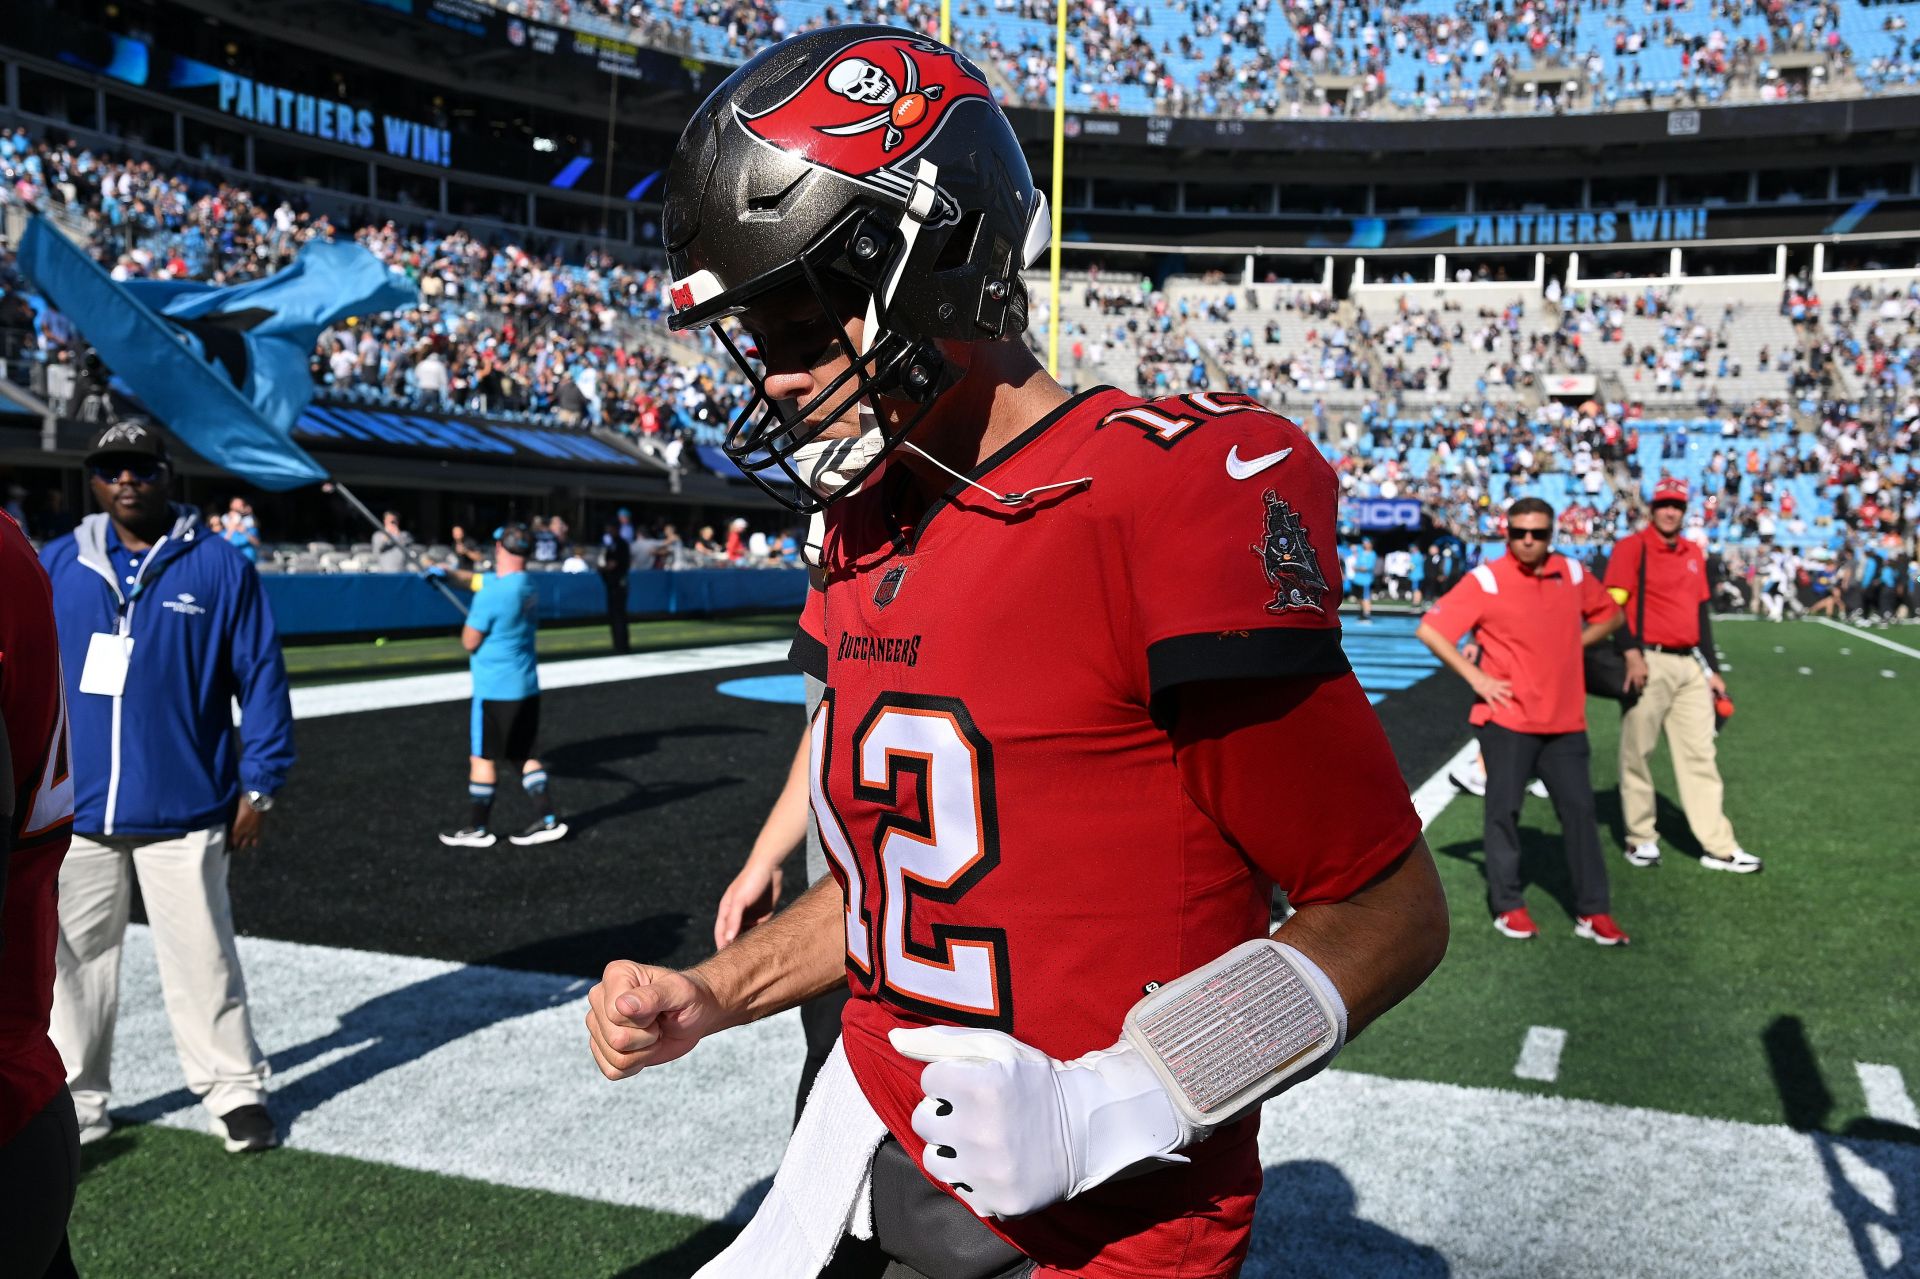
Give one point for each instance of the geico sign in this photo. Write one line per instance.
(1386, 513)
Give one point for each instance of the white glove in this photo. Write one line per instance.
(1012, 1130)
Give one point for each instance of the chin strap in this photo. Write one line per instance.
(1005, 499)
(920, 206)
(813, 546)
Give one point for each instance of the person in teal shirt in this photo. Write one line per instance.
(1365, 561)
(500, 634)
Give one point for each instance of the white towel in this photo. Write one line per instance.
(820, 1192)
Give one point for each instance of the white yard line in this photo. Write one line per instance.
(424, 690)
(480, 1072)
(1434, 794)
(1868, 636)
(1886, 1093)
(1540, 1054)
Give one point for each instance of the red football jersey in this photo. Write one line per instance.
(32, 703)
(995, 782)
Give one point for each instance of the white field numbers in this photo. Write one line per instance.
(935, 844)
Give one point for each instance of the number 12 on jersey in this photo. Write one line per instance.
(920, 760)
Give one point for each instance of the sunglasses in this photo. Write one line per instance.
(144, 472)
(1529, 535)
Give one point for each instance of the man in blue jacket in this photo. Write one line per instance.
(162, 624)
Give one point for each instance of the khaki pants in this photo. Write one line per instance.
(184, 884)
(1677, 698)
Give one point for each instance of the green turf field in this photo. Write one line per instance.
(157, 1201)
(376, 659)
(1721, 966)
(1747, 998)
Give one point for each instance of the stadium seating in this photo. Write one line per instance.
(1435, 391)
(1213, 58)
(501, 332)
(1353, 373)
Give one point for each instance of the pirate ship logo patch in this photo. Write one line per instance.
(1292, 567)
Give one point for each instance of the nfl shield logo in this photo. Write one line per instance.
(889, 585)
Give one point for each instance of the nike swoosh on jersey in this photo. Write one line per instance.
(1246, 469)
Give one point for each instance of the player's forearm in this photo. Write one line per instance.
(795, 956)
(1378, 945)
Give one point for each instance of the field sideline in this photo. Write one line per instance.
(1697, 1104)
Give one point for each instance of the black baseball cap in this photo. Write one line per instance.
(129, 437)
(514, 538)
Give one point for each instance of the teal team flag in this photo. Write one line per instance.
(224, 370)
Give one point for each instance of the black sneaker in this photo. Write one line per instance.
(246, 1129)
(544, 831)
(468, 837)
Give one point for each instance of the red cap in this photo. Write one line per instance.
(1670, 490)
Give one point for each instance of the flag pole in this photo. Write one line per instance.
(1059, 183)
(406, 548)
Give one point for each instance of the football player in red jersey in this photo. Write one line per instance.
(1086, 702)
(39, 1139)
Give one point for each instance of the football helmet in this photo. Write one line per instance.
(857, 171)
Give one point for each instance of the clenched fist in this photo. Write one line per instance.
(640, 1016)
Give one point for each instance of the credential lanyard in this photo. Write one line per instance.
(127, 598)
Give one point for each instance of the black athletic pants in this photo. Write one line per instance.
(926, 1234)
(921, 1232)
(39, 1170)
(617, 611)
(1562, 761)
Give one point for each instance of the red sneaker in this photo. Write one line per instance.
(1601, 929)
(1516, 924)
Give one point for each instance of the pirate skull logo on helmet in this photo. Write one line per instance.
(860, 80)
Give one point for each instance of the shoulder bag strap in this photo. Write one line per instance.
(1640, 598)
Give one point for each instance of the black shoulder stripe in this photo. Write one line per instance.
(808, 654)
(1276, 652)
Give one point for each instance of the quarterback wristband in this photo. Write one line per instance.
(1228, 1035)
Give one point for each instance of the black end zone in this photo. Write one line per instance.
(663, 781)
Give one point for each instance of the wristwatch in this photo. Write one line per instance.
(259, 801)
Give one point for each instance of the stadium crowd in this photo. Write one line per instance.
(1259, 58)
(555, 546)
(1802, 479)
(1427, 396)
(501, 328)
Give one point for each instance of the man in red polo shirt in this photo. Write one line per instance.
(1672, 663)
(1533, 612)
